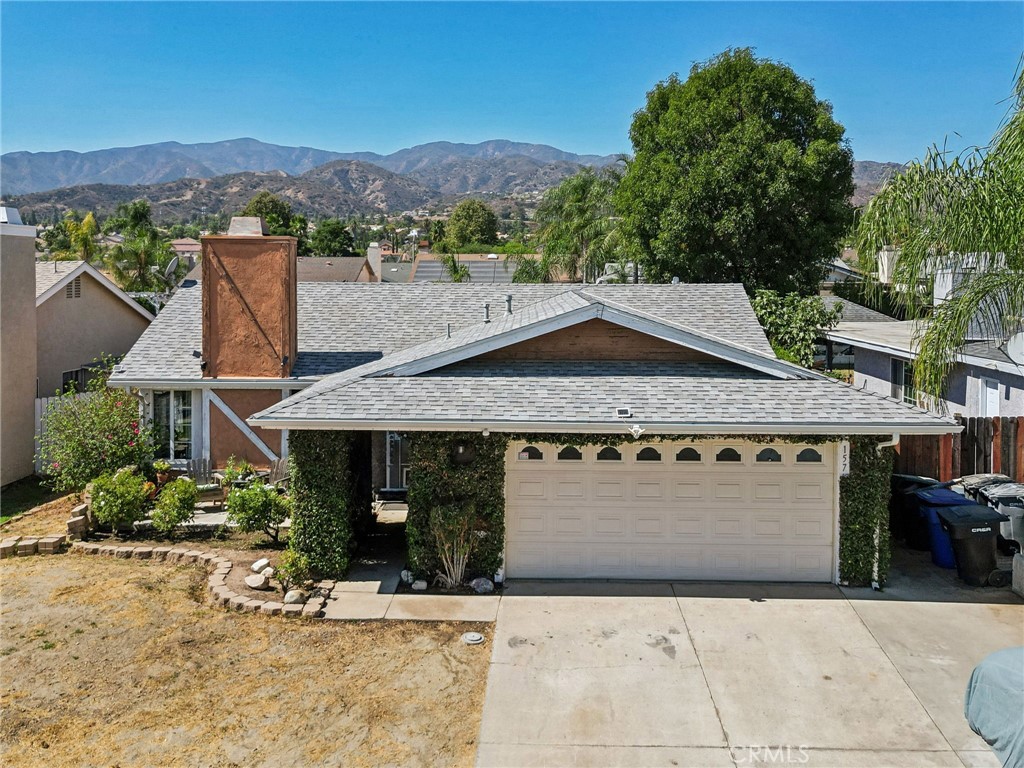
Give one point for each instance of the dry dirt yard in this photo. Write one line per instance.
(109, 662)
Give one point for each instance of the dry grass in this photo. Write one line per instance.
(108, 662)
(47, 518)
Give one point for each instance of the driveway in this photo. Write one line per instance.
(646, 674)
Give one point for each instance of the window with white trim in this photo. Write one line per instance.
(901, 377)
(172, 424)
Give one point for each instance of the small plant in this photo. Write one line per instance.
(175, 505)
(161, 466)
(452, 527)
(293, 570)
(120, 499)
(257, 508)
(238, 470)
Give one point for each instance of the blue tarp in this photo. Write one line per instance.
(994, 704)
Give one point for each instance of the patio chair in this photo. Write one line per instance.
(207, 483)
(279, 475)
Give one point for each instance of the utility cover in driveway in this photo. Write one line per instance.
(709, 510)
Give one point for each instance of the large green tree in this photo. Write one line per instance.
(740, 174)
(280, 218)
(472, 221)
(134, 219)
(140, 263)
(332, 238)
(964, 215)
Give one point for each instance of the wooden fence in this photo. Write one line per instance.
(984, 445)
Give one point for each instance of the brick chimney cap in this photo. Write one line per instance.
(248, 225)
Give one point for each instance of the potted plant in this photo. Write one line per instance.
(163, 470)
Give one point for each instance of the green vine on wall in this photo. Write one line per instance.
(864, 549)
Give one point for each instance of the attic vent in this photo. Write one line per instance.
(73, 290)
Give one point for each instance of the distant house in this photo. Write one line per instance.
(187, 250)
(334, 269)
(81, 317)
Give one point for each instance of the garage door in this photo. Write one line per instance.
(714, 510)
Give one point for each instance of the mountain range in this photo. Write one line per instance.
(180, 180)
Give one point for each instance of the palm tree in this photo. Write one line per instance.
(962, 214)
(138, 264)
(457, 271)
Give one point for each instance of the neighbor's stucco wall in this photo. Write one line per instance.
(17, 351)
(75, 332)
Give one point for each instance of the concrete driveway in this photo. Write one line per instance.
(640, 674)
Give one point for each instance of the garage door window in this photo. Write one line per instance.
(688, 454)
(570, 453)
(728, 454)
(809, 455)
(648, 454)
(531, 453)
(609, 454)
(769, 455)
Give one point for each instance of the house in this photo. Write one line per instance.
(187, 250)
(987, 380)
(81, 317)
(17, 346)
(831, 356)
(317, 269)
(250, 354)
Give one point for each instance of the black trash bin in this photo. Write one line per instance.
(973, 529)
(905, 522)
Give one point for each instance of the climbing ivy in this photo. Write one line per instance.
(864, 514)
(330, 495)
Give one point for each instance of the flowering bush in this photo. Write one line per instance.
(120, 499)
(175, 505)
(92, 434)
(258, 507)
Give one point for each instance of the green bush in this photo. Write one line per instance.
(92, 434)
(258, 507)
(237, 470)
(175, 505)
(792, 322)
(453, 527)
(293, 570)
(120, 499)
(864, 514)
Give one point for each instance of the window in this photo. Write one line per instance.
(531, 453)
(648, 454)
(809, 456)
(688, 454)
(769, 455)
(172, 424)
(609, 454)
(728, 454)
(901, 376)
(73, 290)
(570, 453)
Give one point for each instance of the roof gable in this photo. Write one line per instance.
(53, 276)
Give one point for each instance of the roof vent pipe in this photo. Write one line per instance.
(449, 330)
(487, 313)
(508, 303)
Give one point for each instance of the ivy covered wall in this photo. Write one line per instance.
(331, 495)
(436, 477)
(864, 543)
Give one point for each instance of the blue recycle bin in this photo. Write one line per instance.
(930, 500)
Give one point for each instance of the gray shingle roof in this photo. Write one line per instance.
(342, 325)
(49, 273)
(856, 313)
(662, 396)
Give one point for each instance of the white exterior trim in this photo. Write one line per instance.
(214, 398)
(206, 423)
(211, 383)
(103, 280)
(898, 351)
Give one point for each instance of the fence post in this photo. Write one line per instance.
(1019, 469)
(997, 445)
(946, 458)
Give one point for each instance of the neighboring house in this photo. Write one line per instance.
(988, 380)
(483, 268)
(831, 356)
(187, 250)
(235, 362)
(334, 269)
(81, 317)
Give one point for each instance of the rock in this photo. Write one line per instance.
(268, 572)
(260, 564)
(420, 585)
(257, 581)
(407, 577)
(294, 597)
(482, 585)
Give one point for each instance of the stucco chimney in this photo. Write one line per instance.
(250, 322)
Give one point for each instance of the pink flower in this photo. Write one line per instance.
(119, 402)
(131, 443)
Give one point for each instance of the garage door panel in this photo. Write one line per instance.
(671, 520)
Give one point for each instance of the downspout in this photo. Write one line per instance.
(891, 443)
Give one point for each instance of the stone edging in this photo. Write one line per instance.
(20, 546)
(221, 566)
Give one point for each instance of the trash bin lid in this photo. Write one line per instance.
(973, 482)
(1003, 491)
(940, 497)
(966, 517)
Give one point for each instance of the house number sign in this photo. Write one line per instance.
(844, 459)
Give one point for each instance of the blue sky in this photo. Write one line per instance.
(373, 76)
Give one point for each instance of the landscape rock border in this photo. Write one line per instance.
(220, 567)
(21, 546)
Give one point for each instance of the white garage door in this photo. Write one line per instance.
(714, 510)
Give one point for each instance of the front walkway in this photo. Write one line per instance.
(649, 674)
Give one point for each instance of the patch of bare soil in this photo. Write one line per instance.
(48, 518)
(109, 662)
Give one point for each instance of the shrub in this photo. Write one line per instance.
(161, 465)
(120, 499)
(175, 505)
(792, 323)
(293, 570)
(92, 434)
(237, 470)
(452, 526)
(258, 507)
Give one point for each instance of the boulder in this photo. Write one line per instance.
(407, 577)
(482, 585)
(257, 581)
(268, 572)
(260, 564)
(420, 585)
(294, 597)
